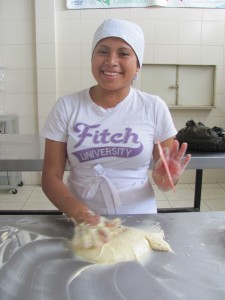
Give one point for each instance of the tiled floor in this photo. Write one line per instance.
(32, 198)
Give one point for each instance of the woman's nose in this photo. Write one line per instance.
(112, 59)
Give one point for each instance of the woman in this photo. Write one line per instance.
(108, 134)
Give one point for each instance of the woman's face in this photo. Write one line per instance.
(114, 64)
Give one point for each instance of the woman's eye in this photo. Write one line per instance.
(124, 54)
(101, 51)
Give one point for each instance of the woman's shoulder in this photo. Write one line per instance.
(75, 96)
(149, 99)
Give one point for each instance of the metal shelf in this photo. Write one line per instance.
(10, 180)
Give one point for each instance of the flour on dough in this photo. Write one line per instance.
(129, 244)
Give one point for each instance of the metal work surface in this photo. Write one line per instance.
(24, 152)
(36, 261)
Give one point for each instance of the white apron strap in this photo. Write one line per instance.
(109, 192)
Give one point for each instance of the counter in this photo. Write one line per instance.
(36, 261)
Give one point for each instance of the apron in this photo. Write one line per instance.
(105, 191)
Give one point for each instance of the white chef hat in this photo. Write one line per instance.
(128, 31)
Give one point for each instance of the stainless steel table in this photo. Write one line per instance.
(24, 152)
(36, 261)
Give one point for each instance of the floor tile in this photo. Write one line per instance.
(222, 185)
(11, 206)
(204, 207)
(216, 204)
(37, 197)
(180, 194)
(181, 203)
(163, 204)
(39, 206)
(213, 193)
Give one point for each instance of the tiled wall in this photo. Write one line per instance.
(46, 51)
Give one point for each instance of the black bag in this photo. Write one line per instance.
(201, 138)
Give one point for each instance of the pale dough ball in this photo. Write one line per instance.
(130, 244)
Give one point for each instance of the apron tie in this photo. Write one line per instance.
(102, 182)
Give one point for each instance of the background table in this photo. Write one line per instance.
(24, 152)
(36, 261)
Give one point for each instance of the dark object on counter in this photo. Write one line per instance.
(201, 138)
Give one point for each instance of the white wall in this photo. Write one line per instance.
(46, 51)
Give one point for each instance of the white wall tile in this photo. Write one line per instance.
(68, 80)
(44, 8)
(1, 56)
(86, 55)
(28, 125)
(149, 54)
(29, 9)
(165, 32)
(46, 102)
(15, 56)
(142, 14)
(41, 122)
(219, 81)
(117, 13)
(88, 29)
(0, 32)
(213, 33)
(14, 32)
(212, 55)
(213, 14)
(163, 13)
(189, 54)
(61, 12)
(87, 79)
(32, 105)
(12, 9)
(69, 56)
(46, 56)
(189, 32)
(30, 32)
(190, 14)
(165, 54)
(46, 80)
(148, 29)
(31, 57)
(31, 81)
(45, 31)
(68, 32)
(17, 104)
(91, 14)
(16, 81)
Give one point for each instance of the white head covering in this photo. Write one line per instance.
(128, 31)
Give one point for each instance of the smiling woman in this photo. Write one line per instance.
(109, 133)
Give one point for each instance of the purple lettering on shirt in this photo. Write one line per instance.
(100, 152)
(89, 134)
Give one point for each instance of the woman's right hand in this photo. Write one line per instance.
(87, 216)
(92, 234)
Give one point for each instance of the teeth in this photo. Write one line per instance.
(111, 74)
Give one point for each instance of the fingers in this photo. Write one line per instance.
(94, 236)
(177, 152)
(186, 161)
(88, 217)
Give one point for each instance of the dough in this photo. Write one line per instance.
(128, 244)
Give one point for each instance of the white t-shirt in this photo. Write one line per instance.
(109, 150)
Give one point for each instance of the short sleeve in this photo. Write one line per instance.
(56, 125)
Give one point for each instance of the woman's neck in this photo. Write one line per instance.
(106, 98)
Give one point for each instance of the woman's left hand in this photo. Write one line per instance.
(177, 163)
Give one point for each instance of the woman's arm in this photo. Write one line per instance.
(176, 163)
(56, 190)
